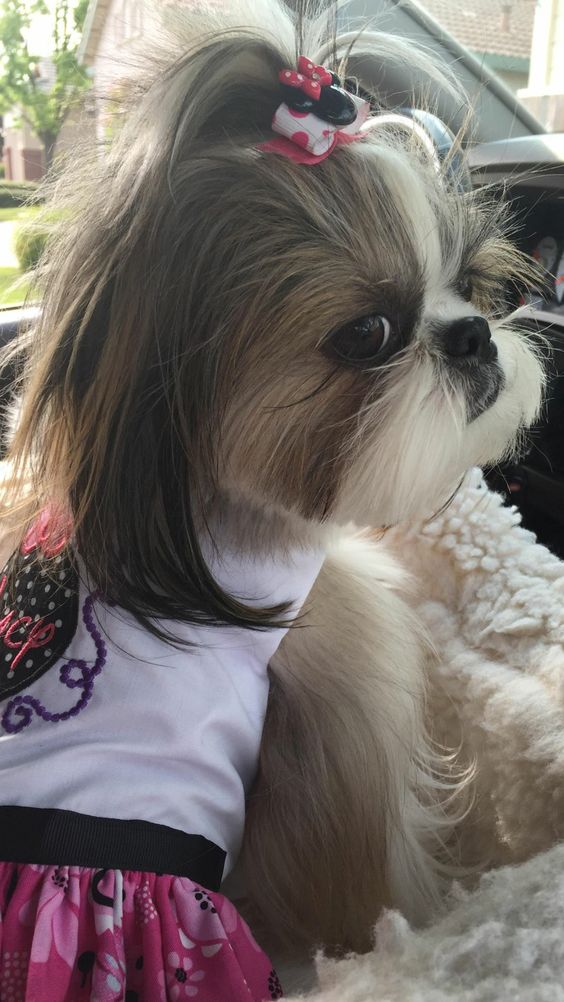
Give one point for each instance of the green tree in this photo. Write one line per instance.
(43, 105)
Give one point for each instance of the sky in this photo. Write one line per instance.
(39, 37)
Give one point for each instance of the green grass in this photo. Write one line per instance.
(18, 212)
(10, 293)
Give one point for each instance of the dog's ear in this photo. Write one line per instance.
(123, 399)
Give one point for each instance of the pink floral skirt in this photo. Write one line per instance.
(72, 934)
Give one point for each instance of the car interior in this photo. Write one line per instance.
(531, 173)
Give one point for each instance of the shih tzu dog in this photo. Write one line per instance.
(254, 339)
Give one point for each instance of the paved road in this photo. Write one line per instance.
(7, 257)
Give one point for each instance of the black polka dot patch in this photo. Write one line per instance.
(38, 616)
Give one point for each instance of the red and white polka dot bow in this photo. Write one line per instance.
(307, 137)
(308, 78)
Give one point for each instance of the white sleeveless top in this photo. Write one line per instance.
(123, 725)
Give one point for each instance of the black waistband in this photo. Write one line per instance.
(53, 838)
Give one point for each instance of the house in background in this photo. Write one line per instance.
(113, 31)
(497, 32)
(23, 153)
(544, 94)
(110, 30)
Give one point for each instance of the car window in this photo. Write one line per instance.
(519, 41)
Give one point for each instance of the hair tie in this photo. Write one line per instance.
(316, 116)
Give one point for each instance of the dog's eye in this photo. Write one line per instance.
(465, 288)
(363, 340)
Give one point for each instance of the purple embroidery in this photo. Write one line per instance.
(23, 707)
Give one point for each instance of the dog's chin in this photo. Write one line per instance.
(497, 430)
(412, 464)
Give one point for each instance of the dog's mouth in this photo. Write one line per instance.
(482, 389)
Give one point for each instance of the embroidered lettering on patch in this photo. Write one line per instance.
(38, 616)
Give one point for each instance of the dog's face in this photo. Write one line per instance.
(369, 367)
(324, 340)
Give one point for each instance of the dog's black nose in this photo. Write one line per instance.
(470, 337)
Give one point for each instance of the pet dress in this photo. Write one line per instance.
(125, 762)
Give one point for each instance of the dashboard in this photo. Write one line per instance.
(541, 226)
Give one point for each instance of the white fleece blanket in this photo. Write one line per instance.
(503, 943)
(493, 600)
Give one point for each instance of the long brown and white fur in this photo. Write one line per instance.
(182, 378)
